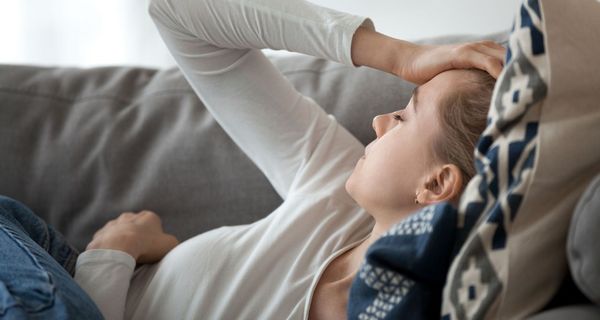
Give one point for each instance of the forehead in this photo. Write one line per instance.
(440, 85)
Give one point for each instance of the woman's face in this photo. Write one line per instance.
(397, 163)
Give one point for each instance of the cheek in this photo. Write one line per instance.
(385, 176)
(377, 183)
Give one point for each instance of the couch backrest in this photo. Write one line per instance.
(80, 146)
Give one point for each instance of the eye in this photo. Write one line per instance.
(398, 117)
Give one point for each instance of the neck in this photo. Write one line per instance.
(356, 255)
(351, 260)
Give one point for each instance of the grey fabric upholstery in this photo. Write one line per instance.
(582, 243)
(80, 146)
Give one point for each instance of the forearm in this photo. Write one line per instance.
(376, 50)
(105, 276)
(418, 63)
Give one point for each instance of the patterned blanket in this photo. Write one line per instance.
(454, 263)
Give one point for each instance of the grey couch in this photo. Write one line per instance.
(80, 146)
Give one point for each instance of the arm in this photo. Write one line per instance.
(276, 126)
(419, 63)
(215, 45)
(105, 276)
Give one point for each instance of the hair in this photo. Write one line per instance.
(463, 117)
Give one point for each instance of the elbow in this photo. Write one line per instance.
(170, 12)
(160, 10)
(154, 8)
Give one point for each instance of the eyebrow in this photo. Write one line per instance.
(415, 98)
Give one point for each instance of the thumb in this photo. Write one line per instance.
(160, 247)
(166, 243)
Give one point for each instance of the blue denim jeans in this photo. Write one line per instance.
(36, 269)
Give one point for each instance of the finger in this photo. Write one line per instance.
(162, 245)
(497, 53)
(150, 216)
(495, 69)
(492, 65)
(127, 217)
(166, 241)
(171, 241)
(147, 212)
(468, 57)
(492, 44)
(167, 244)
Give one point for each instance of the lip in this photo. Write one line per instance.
(367, 148)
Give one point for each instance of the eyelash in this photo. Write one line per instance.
(398, 117)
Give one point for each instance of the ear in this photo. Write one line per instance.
(445, 184)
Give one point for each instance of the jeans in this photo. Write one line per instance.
(36, 269)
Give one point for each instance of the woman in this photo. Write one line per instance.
(300, 260)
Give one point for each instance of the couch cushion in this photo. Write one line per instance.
(80, 146)
(582, 243)
(579, 312)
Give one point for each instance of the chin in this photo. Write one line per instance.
(348, 186)
(353, 191)
(351, 181)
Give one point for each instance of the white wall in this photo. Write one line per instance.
(79, 32)
(425, 18)
(119, 32)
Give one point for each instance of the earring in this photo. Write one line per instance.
(416, 200)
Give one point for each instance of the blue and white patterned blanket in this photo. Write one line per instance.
(405, 271)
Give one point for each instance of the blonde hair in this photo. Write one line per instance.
(463, 117)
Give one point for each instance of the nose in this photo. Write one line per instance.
(381, 124)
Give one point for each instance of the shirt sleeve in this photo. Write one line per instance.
(216, 45)
(105, 275)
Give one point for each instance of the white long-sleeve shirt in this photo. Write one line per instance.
(267, 269)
